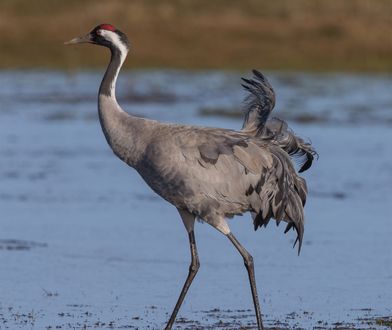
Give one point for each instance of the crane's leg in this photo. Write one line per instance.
(189, 220)
(248, 260)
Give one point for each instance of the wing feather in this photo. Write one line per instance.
(259, 104)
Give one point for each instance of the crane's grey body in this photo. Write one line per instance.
(210, 174)
(189, 167)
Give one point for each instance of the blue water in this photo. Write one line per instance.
(84, 242)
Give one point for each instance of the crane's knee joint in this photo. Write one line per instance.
(194, 267)
(248, 261)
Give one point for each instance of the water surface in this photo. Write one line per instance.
(84, 242)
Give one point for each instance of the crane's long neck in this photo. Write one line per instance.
(123, 132)
(108, 84)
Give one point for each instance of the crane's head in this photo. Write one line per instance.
(105, 35)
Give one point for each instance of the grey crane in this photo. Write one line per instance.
(210, 174)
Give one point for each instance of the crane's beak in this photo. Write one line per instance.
(79, 40)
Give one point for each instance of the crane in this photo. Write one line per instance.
(210, 174)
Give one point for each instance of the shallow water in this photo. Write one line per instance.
(84, 242)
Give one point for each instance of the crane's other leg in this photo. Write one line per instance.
(248, 260)
(189, 222)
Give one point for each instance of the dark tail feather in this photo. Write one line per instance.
(300, 233)
(258, 103)
(303, 152)
(307, 164)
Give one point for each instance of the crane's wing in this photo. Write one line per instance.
(258, 106)
(235, 169)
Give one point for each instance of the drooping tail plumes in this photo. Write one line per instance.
(258, 105)
(283, 198)
(282, 195)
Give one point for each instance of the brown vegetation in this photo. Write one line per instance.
(282, 34)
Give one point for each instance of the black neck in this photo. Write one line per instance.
(108, 83)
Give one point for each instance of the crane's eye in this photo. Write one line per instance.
(99, 32)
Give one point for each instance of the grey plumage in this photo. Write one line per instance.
(258, 105)
(189, 166)
(210, 173)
